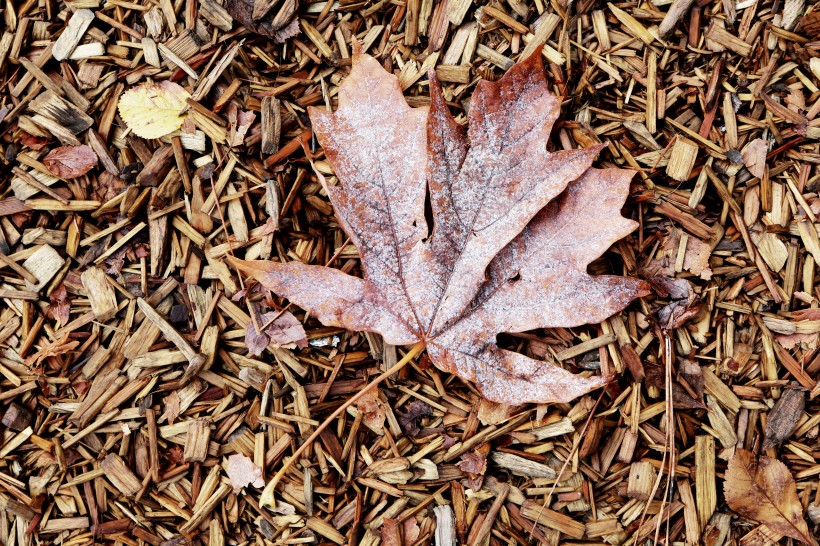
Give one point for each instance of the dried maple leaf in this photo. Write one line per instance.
(153, 110)
(70, 161)
(505, 253)
(764, 491)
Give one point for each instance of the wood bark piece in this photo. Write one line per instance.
(195, 359)
(77, 25)
(118, 473)
(100, 293)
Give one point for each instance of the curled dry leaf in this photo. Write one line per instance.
(763, 490)
(153, 110)
(70, 161)
(242, 472)
(514, 228)
(240, 123)
(57, 347)
(684, 304)
(372, 413)
(267, 17)
(408, 419)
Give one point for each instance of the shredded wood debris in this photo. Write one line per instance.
(133, 411)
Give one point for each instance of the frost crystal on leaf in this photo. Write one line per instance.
(514, 228)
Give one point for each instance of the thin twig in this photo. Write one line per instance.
(266, 498)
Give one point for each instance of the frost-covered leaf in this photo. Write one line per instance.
(514, 228)
(153, 110)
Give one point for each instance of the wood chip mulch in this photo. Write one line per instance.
(125, 382)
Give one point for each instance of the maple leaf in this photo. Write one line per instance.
(765, 491)
(514, 228)
(70, 161)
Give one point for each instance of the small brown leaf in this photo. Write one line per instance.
(784, 415)
(284, 328)
(391, 533)
(372, 413)
(280, 328)
(414, 411)
(57, 347)
(70, 161)
(515, 227)
(765, 491)
(60, 306)
(684, 305)
(240, 122)
(255, 341)
(243, 472)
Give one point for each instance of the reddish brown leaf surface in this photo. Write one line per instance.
(764, 490)
(280, 328)
(514, 228)
(70, 161)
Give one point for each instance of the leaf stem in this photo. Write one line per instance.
(267, 499)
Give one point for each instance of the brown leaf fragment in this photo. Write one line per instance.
(59, 308)
(284, 328)
(109, 186)
(255, 341)
(278, 24)
(474, 464)
(281, 328)
(49, 349)
(784, 416)
(514, 228)
(493, 413)
(372, 413)
(391, 532)
(764, 490)
(696, 257)
(684, 306)
(70, 161)
(242, 472)
(408, 419)
(240, 122)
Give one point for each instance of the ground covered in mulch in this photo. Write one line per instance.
(133, 412)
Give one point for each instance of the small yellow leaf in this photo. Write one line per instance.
(152, 110)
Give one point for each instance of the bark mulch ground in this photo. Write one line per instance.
(125, 382)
